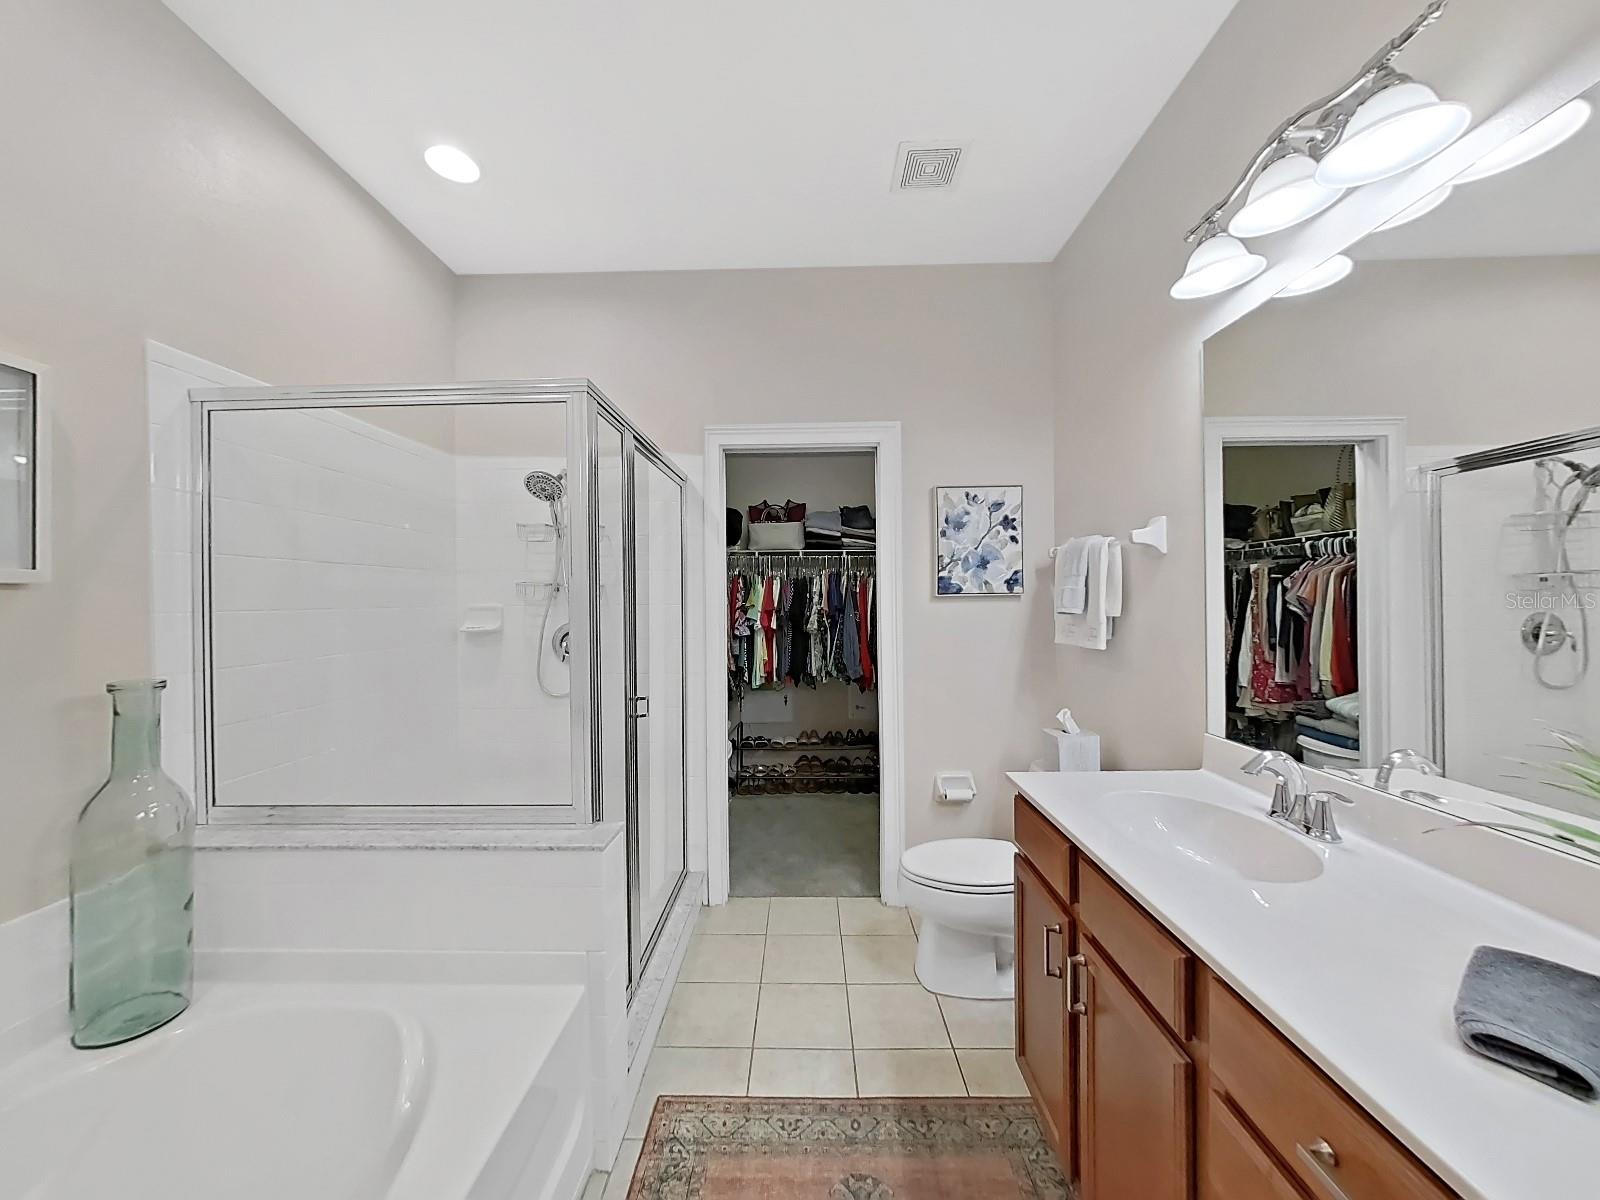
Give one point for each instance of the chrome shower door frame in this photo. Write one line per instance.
(581, 398)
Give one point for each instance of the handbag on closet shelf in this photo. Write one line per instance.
(767, 512)
(778, 535)
(1338, 511)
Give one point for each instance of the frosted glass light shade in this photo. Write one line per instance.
(1283, 195)
(1329, 273)
(1539, 138)
(1217, 264)
(1396, 129)
(1420, 209)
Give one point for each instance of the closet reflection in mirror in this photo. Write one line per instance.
(1459, 363)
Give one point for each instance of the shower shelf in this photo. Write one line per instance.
(536, 531)
(530, 589)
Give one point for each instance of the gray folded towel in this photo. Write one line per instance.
(1536, 1016)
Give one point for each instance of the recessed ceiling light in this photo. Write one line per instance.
(1539, 138)
(455, 165)
(1326, 275)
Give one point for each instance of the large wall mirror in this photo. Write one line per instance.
(1403, 490)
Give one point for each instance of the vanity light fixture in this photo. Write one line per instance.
(1539, 138)
(452, 163)
(1329, 273)
(1219, 262)
(1420, 209)
(1284, 194)
(1381, 122)
(1400, 127)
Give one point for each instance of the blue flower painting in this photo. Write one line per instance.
(979, 541)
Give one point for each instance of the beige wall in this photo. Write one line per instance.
(1128, 428)
(960, 355)
(1471, 351)
(150, 193)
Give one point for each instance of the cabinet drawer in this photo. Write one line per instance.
(1045, 846)
(1233, 1164)
(1333, 1147)
(1157, 965)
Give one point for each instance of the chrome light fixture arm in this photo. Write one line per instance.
(1331, 114)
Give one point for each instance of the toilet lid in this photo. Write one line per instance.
(970, 864)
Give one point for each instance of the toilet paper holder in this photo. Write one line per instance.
(955, 787)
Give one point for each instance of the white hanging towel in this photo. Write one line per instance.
(1072, 575)
(1091, 629)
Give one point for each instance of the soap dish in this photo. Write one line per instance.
(483, 618)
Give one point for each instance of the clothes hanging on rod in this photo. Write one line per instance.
(1292, 633)
(800, 621)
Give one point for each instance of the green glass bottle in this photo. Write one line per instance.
(132, 882)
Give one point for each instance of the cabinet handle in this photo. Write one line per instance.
(1050, 931)
(1075, 1001)
(1320, 1158)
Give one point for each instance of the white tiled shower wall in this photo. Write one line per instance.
(517, 738)
(344, 556)
(333, 563)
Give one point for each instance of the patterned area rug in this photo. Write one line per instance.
(957, 1148)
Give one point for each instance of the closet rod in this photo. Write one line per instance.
(802, 553)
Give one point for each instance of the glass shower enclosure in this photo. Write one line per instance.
(460, 604)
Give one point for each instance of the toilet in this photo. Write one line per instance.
(962, 889)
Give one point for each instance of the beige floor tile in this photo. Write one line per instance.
(866, 915)
(881, 958)
(622, 1173)
(803, 1073)
(803, 914)
(895, 1016)
(991, 1073)
(803, 958)
(709, 1014)
(686, 1071)
(981, 1024)
(803, 1016)
(723, 958)
(908, 1073)
(916, 923)
(741, 914)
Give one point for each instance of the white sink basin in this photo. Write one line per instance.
(1248, 846)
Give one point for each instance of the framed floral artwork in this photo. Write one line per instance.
(978, 541)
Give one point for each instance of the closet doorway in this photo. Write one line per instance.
(1299, 555)
(803, 549)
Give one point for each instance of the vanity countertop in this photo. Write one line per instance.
(1359, 968)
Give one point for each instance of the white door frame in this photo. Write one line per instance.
(1380, 444)
(882, 438)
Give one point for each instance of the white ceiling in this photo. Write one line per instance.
(1545, 207)
(718, 133)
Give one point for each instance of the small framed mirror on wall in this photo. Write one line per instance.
(24, 472)
(1403, 490)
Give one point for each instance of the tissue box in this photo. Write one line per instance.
(1076, 751)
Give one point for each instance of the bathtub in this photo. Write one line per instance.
(315, 1091)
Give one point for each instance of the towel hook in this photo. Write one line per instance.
(1153, 534)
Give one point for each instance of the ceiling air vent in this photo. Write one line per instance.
(924, 166)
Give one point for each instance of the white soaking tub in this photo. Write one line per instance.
(277, 1091)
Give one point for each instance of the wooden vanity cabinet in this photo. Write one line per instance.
(1156, 1081)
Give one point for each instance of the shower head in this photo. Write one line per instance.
(544, 486)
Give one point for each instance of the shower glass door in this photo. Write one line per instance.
(657, 696)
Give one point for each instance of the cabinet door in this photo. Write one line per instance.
(1043, 943)
(1233, 1165)
(1135, 1139)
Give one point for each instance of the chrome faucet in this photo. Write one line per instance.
(1311, 813)
(1289, 793)
(1398, 759)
